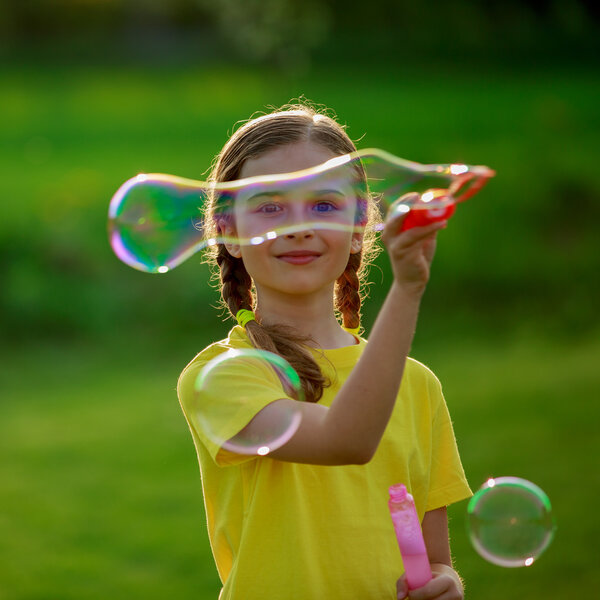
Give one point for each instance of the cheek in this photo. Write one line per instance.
(249, 229)
(343, 244)
(254, 258)
(343, 252)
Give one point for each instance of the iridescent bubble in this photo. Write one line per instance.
(156, 220)
(510, 521)
(153, 221)
(230, 385)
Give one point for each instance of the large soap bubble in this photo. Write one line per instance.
(510, 521)
(155, 220)
(239, 373)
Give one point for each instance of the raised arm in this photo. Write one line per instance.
(349, 431)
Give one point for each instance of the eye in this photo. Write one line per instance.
(325, 206)
(269, 208)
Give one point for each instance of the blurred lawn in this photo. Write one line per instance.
(101, 494)
(100, 491)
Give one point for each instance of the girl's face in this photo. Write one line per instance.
(305, 259)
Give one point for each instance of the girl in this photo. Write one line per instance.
(310, 520)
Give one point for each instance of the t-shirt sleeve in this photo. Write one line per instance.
(448, 483)
(220, 397)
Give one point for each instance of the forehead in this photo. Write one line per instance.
(286, 159)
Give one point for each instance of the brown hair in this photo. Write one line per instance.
(287, 125)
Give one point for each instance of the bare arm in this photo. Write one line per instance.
(349, 431)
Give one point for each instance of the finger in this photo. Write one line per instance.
(395, 219)
(393, 228)
(411, 237)
(429, 250)
(398, 215)
(401, 588)
(449, 595)
(434, 588)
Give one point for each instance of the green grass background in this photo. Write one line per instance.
(100, 493)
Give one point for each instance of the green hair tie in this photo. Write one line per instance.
(243, 316)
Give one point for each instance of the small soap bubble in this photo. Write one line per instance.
(156, 220)
(510, 521)
(240, 373)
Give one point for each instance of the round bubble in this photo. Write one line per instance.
(228, 389)
(155, 221)
(510, 521)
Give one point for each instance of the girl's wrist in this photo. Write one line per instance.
(444, 569)
(408, 292)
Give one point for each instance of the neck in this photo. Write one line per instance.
(312, 316)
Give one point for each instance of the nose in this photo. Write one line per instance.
(301, 234)
(298, 223)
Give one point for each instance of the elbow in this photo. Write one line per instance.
(351, 455)
(348, 450)
(360, 456)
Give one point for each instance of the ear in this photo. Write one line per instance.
(356, 243)
(230, 235)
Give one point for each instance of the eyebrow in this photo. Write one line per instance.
(278, 193)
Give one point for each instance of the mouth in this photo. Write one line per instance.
(299, 257)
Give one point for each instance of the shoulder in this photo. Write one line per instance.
(237, 339)
(419, 369)
(418, 376)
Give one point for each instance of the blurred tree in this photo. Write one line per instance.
(282, 31)
(287, 32)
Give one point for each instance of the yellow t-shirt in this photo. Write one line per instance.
(293, 531)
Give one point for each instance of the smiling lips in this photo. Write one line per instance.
(299, 257)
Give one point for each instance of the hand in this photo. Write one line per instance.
(445, 585)
(411, 252)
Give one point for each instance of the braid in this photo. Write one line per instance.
(236, 289)
(347, 293)
(236, 283)
(286, 342)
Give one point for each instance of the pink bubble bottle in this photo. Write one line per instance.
(410, 537)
